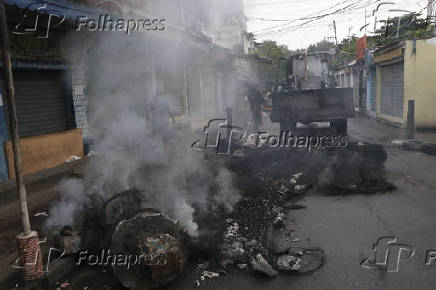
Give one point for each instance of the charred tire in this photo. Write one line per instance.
(340, 126)
(162, 243)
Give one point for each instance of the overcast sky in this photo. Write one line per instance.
(298, 23)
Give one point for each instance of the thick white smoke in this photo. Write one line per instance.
(137, 144)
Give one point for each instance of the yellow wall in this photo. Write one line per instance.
(420, 81)
(45, 151)
(378, 89)
(388, 55)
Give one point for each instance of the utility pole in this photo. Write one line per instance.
(305, 65)
(365, 21)
(430, 14)
(10, 96)
(29, 252)
(336, 41)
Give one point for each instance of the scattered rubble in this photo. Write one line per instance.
(429, 148)
(411, 145)
(238, 154)
(259, 264)
(210, 274)
(416, 145)
(294, 205)
(279, 220)
(196, 284)
(232, 249)
(289, 263)
(72, 158)
(301, 260)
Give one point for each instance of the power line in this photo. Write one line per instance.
(322, 17)
(348, 8)
(297, 19)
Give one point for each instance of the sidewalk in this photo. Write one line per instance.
(382, 132)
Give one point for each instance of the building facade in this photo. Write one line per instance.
(195, 63)
(405, 71)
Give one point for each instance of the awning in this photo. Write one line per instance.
(36, 65)
(70, 10)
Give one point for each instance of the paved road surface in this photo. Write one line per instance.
(346, 228)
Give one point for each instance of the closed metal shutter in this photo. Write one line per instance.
(392, 90)
(40, 102)
(173, 86)
(194, 91)
(209, 83)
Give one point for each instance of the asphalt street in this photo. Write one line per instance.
(345, 227)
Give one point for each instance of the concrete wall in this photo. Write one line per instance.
(419, 81)
(315, 67)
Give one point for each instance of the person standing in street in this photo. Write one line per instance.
(256, 101)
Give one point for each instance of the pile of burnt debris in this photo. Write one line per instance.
(270, 182)
(355, 169)
(239, 240)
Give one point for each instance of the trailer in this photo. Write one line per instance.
(309, 95)
(334, 105)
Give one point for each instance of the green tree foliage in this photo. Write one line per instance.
(323, 45)
(270, 49)
(410, 27)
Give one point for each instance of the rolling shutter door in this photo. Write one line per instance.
(40, 102)
(398, 90)
(386, 90)
(209, 91)
(374, 90)
(392, 90)
(194, 91)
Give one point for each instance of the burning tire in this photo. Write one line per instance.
(151, 250)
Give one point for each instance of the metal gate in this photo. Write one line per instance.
(40, 102)
(392, 90)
